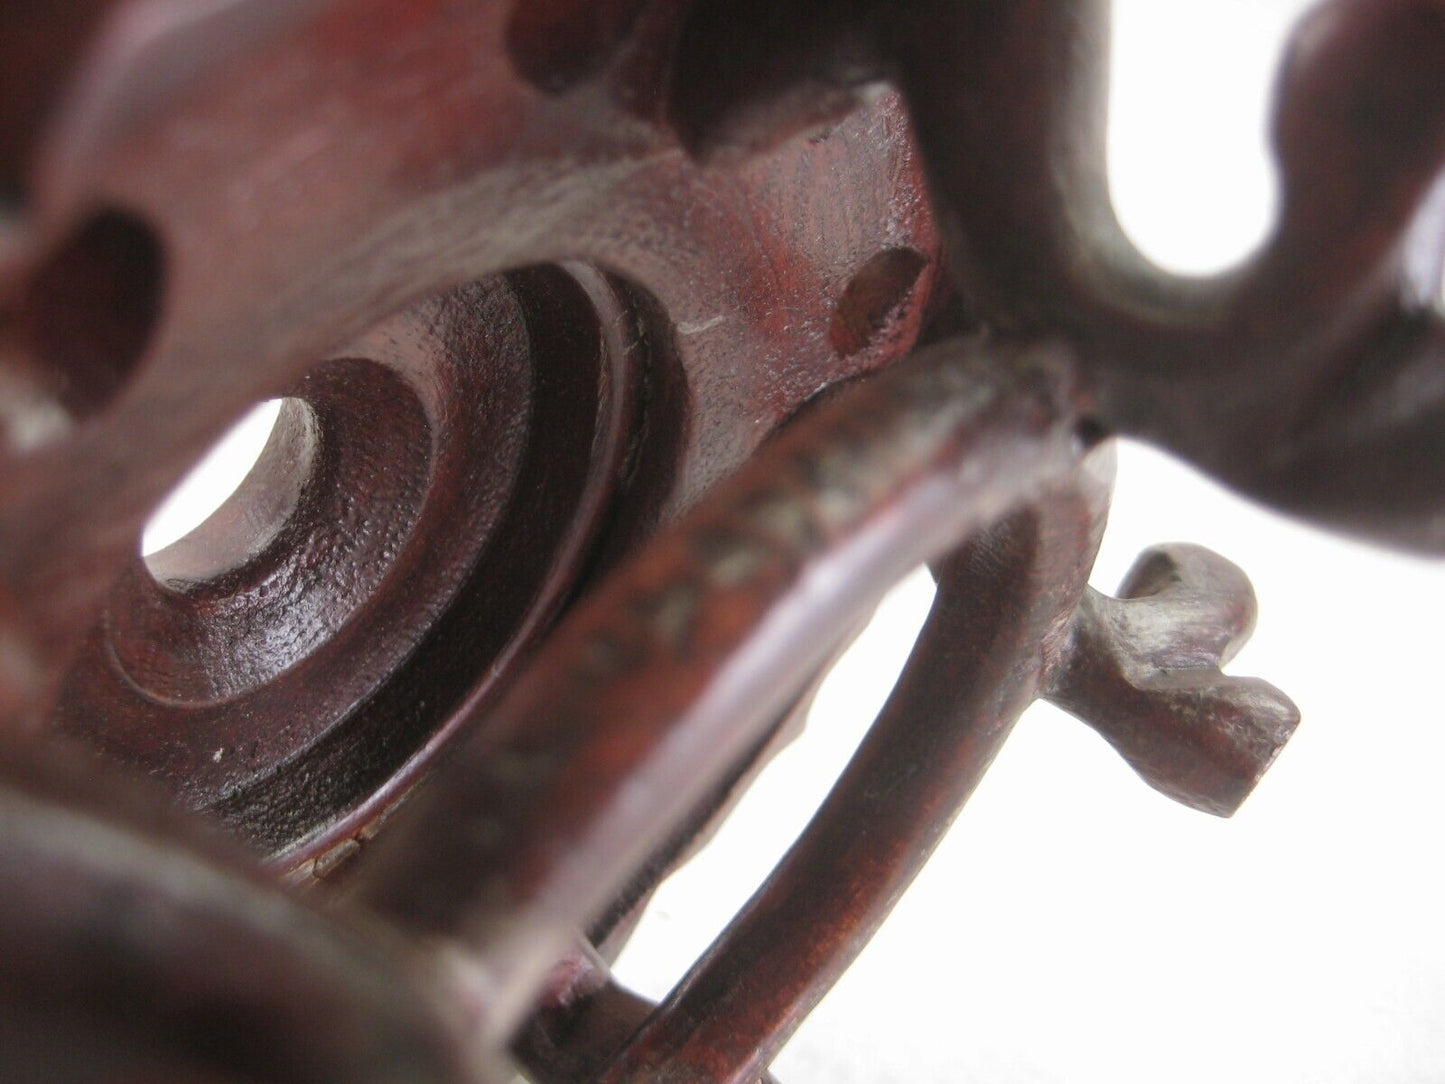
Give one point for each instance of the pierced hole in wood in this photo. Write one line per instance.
(89, 311)
(440, 522)
(213, 481)
(875, 296)
(557, 44)
(303, 542)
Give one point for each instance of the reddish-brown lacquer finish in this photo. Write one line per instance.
(444, 477)
(606, 422)
(376, 570)
(1304, 377)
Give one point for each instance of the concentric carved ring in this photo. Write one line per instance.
(411, 525)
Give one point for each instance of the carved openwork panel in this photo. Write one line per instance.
(628, 351)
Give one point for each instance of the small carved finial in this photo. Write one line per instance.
(1143, 670)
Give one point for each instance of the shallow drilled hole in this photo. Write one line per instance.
(874, 297)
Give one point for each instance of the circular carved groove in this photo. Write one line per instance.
(424, 504)
(304, 542)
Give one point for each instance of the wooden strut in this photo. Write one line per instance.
(630, 350)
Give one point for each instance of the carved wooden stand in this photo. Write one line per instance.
(622, 378)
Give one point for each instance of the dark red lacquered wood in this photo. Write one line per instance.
(409, 530)
(669, 672)
(990, 637)
(585, 1017)
(138, 947)
(549, 288)
(1304, 377)
(1000, 634)
(541, 422)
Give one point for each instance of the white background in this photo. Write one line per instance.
(1076, 926)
